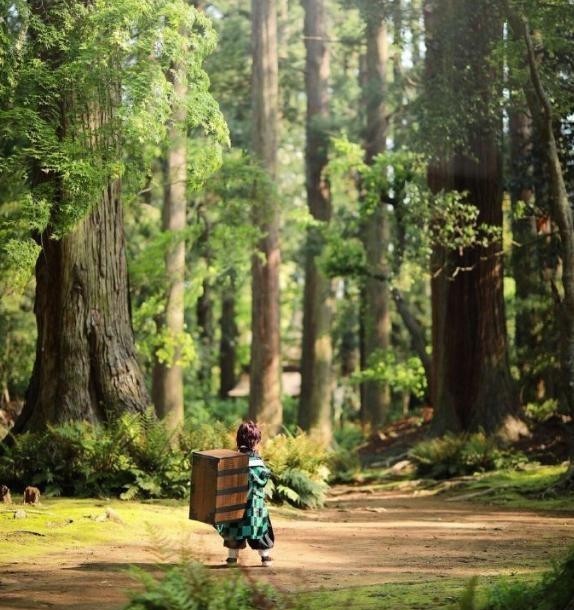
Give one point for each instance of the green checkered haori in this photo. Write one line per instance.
(255, 522)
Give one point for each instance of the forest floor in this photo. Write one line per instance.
(369, 548)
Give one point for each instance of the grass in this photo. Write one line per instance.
(63, 523)
(436, 594)
(525, 487)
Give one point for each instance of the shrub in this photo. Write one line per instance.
(539, 412)
(299, 467)
(191, 587)
(456, 455)
(133, 456)
(208, 435)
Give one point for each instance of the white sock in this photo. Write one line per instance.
(263, 553)
(233, 553)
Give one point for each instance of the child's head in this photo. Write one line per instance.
(248, 436)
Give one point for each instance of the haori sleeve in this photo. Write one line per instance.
(259, 475)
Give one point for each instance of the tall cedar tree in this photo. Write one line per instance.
(316, 361)
(86, 366)
(167, 380)
(376, 323)
(472, 386)
(265, 367)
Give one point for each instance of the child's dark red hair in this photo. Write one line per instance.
(248, 435)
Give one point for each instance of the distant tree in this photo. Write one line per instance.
(265, 369)
(376, 321)
(316, 392)
(167, 380)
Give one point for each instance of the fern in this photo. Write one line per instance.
(190, 586)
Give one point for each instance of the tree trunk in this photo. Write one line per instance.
(86, 366)
(376, 234)
(227, 345)
(526, 263)
(315, 404)
(349, 337)
(542, 113)
(205, 323)
(167, 381)
(265, 374)
(472, 386)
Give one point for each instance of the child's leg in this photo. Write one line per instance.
(233, 548)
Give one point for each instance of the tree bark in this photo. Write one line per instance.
(265, 369)
(167, 381)
(315, 413)
(526, 261)
(376, 233)
(86, 367)
(227, 345)
(472, 386)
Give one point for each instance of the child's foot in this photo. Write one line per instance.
(266, 561)
(231, 561)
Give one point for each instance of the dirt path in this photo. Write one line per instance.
(361, 538)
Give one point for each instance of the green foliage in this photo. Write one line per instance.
(407, 376)
(456, 455)
(299, 467)
(136, 457)
(191, 586)
(209, 435)
(541, 411)
(17, 342)
(132, 456)
(554, 591)
(85, 96)
(424, 220)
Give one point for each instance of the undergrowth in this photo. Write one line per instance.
(299, 467)
(135, 457)
(190, 586)
(454, 455)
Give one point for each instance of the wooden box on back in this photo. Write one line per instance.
(219, 486)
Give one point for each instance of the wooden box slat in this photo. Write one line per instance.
(219, 484)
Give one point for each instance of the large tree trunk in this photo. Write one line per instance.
(86, 366)
(315, 403)
(167, 382)
(472, 386)
(376, 234)
(265, 370)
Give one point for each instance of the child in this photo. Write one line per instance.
(255, 527)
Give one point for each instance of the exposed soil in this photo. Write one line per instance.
(363, 537)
